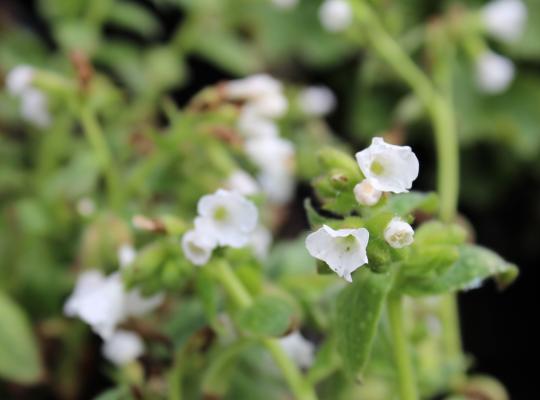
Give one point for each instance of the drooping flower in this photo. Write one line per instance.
(344, 250)
(505, 19)
(198, 246)
(388, 167)
(317, 100)
(398, 233)
(227, 217)
(299, 349)
(242, 182)
(366, 194)
(335, 15)
(494, 73)
(123, 347)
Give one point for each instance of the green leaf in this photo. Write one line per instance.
(406, 203)
(133, 17)
(267, 316)
(475, 263)
(358, 311)
(19, 355)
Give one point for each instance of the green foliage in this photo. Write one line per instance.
(267, 316)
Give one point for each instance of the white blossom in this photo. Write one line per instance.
(335, 15)
(103, 303)
(299, 349)
(366, 194)
(285, 4)
(344, 250)
(494, 73)
(126, 255)
(277, 184)
(123, 347)
(260, 242)
(242, 182)
(388, 167)
(198, 246)
(317, 100)
(398, 233)
(252, 124)
(227, 217)
(19, 79)
(505, 19)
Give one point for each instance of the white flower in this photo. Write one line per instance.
(260, 242)
(277, 184)
(198, 246)
(19, 79)
(252, 124)
(398, 233)
(300, 350)
(227, 217)
(123, 347)
(317, 100)
(494, 73)
(366, 194)
(285, 4)
(335, 15)
(126, 255)
(103, 303)
(505, 19)
(270, 106)
(344, 250)
(242, 182)
(389, 168)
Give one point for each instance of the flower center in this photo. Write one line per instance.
(196, 249)
(220, 214)
(348, 243)
(377, 168)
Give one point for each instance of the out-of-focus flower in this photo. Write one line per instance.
(366, 194)
(253, 87)
(123, 347)
(19, 79)
(226, 216)
(317, 101)
(398, 233)
(505, 19)
(126, 255)
(388, 167)
(335, 15)
(251, 124)
(344, 250)
(299, 349)
(198, 247)
(260, 242)
(242, 182)
(494, 73)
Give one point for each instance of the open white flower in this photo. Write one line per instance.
(19, 79)
(366, 194)
(317, 100)
(335, 15)
(494, 73)
(242, 182)
(227, 217)
(344, 250)
(398, 233)
(299, 349)
(198, 246)
(388, 167)
(123, 347)
(505, 19)
(103, 303)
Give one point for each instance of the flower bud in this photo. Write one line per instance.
(398, 233)
(366, 194)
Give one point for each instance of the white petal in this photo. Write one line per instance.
(494, 73)
(317, 100)
(19, 79)
(398, 233)
(260, 241)
(123, 347)
(34, 108)
(198, 246)
(86, 283)
(252, 124)
(366, 194)
(300, 350)
(135, 304)
(241, 182)
(126, 255)
(253, 87)
(505, 19)
(397, 166)
(271, 105)
(335, 15)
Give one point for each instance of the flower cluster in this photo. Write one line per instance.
(226, 218)
(264, 101)
(34, 104)
(505, 21)
(386, 168)
(104, 303)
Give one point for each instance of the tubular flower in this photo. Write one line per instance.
(388, 167)
(344, 250)
(398, 233)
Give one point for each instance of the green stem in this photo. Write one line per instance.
(301, 389)
(406, 380)
(97, 140)
(175, 378)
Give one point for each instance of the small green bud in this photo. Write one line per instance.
(337, 160)
(379, 255)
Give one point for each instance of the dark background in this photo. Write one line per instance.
(500, 330)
